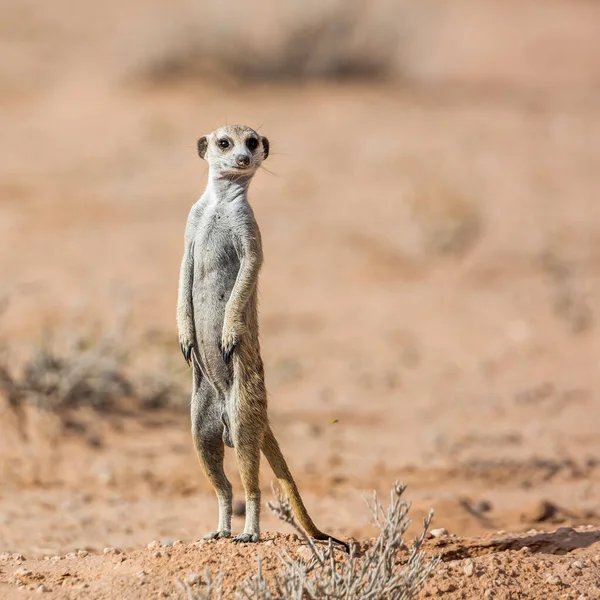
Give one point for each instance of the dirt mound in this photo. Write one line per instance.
(560, 564)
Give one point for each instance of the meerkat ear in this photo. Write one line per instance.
(265, 143)
(202, 146)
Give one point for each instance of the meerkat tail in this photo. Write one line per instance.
(273, 454)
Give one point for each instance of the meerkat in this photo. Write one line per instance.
(217, 319)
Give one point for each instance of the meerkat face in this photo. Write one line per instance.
(234, 150)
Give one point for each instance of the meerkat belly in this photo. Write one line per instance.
(216, 266)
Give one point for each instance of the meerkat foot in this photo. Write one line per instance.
(217, 535)
(245, 538)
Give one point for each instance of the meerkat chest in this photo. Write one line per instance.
(214, 242)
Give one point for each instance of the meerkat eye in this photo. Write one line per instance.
(252, 143)
(224, 144)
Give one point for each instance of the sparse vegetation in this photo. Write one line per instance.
(302, 40)
(82, 372)
(389, 569)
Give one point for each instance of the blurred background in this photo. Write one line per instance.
(430, 218)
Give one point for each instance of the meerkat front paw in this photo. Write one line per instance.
(230, 338)
(186, 343)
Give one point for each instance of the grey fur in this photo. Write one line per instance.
(217, 319)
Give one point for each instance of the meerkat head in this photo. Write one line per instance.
(234, 150)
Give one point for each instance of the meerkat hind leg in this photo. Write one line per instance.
(248, 459)
(207, 430)
(247, 443)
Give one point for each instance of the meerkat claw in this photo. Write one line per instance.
(245, 538)
(227, 353)
(187, 352)
(217, 535)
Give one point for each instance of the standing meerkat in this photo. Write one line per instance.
(217, 319)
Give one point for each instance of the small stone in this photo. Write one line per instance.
(239, 508)
(177, 543)
(141, 573)
(439, 533)
(525, 550)
(501, 532)
(553, 579)
(158, 554)
(41, 589)
(71, 555)
(468, 569)
(21, 573)
(193, 578)
(153, 545)
(483, 506)
(112, 551)
(56, 558)
(577, 565)
(269, 543)
(305, 553)
(18, 557)
(82, 553)
(539, 511)
(488, 593)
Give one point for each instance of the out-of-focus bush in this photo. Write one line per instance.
(292, 40)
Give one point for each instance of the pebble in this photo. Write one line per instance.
(239, 508)
(270, 543)
(158, 554)
(22, 572)
(539, 511)
(304, 552)
(438, 533)
(193, 578)
(577, 565)
(71, 555)
(41, 589)
(110, 550)
(468, 569)
(18, 557)
(553, 579)
(153, 545)
(82, 553)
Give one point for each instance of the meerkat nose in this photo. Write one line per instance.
(242, 160)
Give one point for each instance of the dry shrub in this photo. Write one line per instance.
(275, 41)
(568, 300)
(390, 569)
(85, 373)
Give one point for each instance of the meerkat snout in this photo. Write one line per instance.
(242, 160)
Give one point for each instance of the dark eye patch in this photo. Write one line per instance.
(252, 144)
(224, 144)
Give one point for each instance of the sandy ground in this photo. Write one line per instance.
(428, 299)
